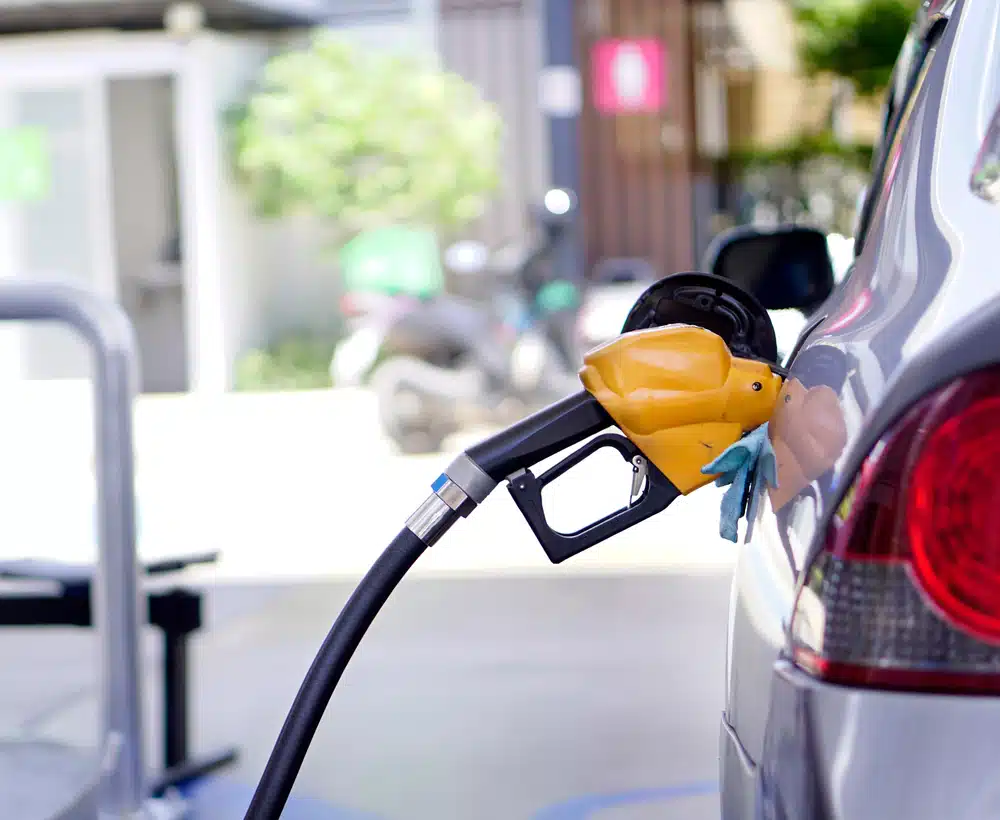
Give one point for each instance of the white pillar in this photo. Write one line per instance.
(199, 164)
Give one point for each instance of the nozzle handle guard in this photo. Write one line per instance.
(526, 490)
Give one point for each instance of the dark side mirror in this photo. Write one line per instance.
(784, 267)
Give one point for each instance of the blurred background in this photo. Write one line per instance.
(351, 235)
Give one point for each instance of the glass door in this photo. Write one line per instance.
(55, 210)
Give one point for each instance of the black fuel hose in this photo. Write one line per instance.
(317, 688)
(478, 470)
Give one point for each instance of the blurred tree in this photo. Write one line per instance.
(817, 176)
(858, 40)
(813, 178)
(803, 148)
(365, 138)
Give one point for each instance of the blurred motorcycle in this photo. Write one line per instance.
(455, 362)
(369, 318)
(616, 285)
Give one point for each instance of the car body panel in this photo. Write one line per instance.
(842, 754)
(927, 265)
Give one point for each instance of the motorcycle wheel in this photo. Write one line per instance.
(417, 423)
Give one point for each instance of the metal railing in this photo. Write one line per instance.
(106, 329)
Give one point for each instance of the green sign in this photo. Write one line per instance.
(557, 296)
(393, 260)
(24, 164)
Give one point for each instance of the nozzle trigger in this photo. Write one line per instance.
(526, 490)
(639, 474)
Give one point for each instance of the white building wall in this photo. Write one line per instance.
(234, 63)
(247, 281)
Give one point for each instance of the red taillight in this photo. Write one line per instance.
(954, 517)
(906, 593)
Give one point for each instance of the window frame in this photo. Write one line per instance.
(910, 67)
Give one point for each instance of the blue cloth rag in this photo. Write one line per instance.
(736, 465)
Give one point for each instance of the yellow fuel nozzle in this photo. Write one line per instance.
(680, 396)
(677, 394)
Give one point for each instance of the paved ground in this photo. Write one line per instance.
(494, 685)
(472, 698)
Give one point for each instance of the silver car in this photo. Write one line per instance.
(863, 656)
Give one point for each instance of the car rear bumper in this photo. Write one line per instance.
(834, 753)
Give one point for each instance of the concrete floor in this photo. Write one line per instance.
(496, 698)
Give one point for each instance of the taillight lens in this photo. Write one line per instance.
(906, 592)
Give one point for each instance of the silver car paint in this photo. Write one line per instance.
(835, 752)
(930, 259)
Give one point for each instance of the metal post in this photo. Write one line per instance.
(175, 699)
(564, 124)
(105, 326)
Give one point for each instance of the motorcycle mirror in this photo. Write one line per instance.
(467, 257)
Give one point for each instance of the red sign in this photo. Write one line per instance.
(629, 76)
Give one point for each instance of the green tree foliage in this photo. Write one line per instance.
(802, 149)
(366, 137)
(855, 39)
